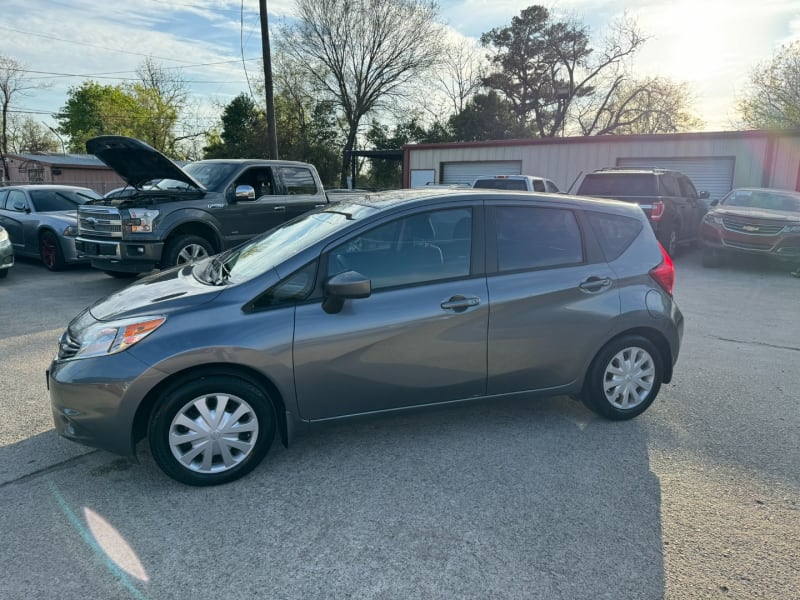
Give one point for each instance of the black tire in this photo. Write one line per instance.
(4, 273)
(249, 436)
(606, 392)
(50, 251)
(121, 274)
(184, 249)
(710, 258)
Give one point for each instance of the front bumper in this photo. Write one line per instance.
(783, 246)
(121, 255)
(95, 400)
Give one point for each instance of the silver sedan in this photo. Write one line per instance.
(41, 221)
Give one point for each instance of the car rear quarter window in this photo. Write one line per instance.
(536, 237)
(613, 232)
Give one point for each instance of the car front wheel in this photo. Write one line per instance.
(185, 249)
(624, 378)
(211, 430)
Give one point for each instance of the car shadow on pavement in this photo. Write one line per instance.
(502, 499)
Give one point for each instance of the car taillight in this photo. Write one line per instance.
(656, 211)
(664, 273)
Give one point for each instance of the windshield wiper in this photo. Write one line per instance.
(217, 272)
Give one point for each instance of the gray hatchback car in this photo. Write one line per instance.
(374, 304)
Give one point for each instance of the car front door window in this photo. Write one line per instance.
(417, 249)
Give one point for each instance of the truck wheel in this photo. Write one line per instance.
(185, 249)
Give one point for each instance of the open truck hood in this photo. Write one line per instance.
(136, 162)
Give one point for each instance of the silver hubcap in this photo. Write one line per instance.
(213, 433)
(629, 378)
(190, 253)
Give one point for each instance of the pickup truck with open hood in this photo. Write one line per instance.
(195, 211)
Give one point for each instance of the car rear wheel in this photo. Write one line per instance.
(624, 378)
(50, 251)
(211, 430)
(185, 249)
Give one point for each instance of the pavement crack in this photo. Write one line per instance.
(46, 470)
(752, 343)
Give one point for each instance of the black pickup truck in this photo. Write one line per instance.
(174, 215)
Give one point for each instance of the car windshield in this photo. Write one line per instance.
(764, 199)
(56, 200)
(619, 184)
(267, 251)
(212, 175)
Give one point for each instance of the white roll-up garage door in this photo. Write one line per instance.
(713, 174)
(466, 172)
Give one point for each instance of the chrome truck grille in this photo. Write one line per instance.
(99, 221)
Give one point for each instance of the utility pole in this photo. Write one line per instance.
(272, 135)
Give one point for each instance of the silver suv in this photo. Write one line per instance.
(375, 304)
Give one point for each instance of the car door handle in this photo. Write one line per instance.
(460, 303)
(279, 208)
(216, 206)
(595, 284)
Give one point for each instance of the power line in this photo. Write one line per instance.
(107, 74)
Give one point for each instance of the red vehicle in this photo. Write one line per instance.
(753, 221)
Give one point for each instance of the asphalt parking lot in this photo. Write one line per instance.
(697, 498)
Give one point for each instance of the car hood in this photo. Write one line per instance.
(161, 293)
(756, 213)
(136, 162)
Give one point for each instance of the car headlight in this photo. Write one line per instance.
(70, 231)
(140, 220)
(712, 218)
(101, 338)
(792, 228)
(3, 235)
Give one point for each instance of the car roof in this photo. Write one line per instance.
(409, 198)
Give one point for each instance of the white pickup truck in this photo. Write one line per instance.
(527, 183)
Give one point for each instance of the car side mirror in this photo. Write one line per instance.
(21, 207)
(715, 201)
(245, 192)
(704, 195)
(345, 286)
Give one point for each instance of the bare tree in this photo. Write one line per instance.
(13, 82)
(161, 96)
(772, 99)
(630, 106)
(362, 52)
(461, 71)
(26, 135)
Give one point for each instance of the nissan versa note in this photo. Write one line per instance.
(380, 303)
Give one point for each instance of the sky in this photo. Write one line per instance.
(712, 44)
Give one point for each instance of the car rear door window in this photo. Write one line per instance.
(298, 180)
(420, 248)
(669, 185)
(538, 185)
(536, 237)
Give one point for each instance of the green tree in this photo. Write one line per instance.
(361, 53)
(541, 65)
(92, 109)
(161, 96)
(488, 117)
(243, 132)
(772, 98)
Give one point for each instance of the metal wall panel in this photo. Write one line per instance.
(466, 172)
